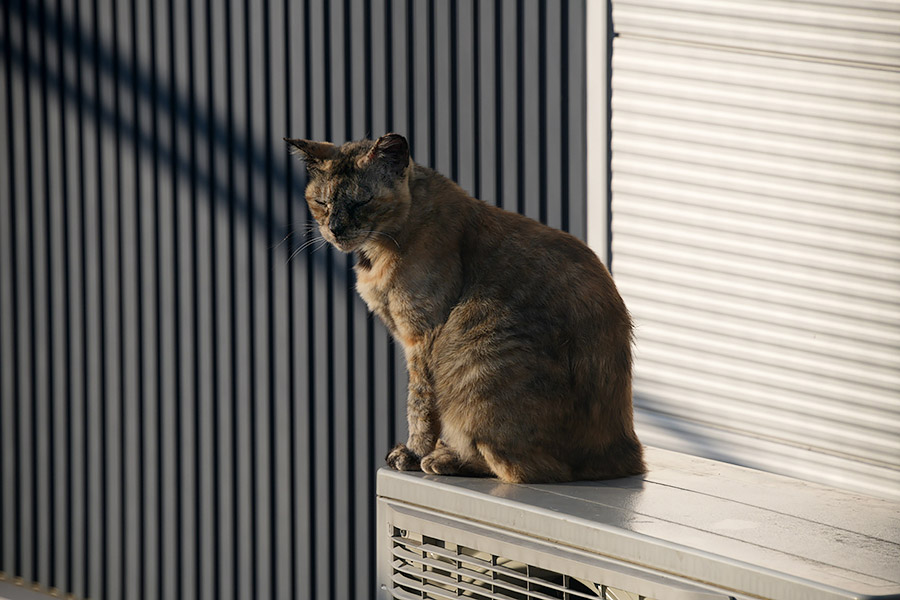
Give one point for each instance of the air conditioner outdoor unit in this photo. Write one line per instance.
(451, 537)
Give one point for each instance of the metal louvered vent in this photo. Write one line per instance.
(427, 567)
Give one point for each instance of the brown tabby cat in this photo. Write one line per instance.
(517, 343)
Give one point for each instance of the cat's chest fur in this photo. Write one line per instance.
(374, 277)
(378, 281)
(412, 299)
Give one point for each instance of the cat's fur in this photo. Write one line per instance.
(517, 343)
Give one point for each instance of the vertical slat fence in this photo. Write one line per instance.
(193, 399)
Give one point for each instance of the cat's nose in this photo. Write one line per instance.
(338, 229)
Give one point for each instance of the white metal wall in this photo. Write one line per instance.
(756, 230)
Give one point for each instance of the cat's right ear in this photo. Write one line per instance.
(310, 151)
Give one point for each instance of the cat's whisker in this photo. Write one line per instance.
(387, 235)
(304, 229)
(290, 233)
(294, 253)
(306, 245)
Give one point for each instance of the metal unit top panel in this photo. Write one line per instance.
(743, 530)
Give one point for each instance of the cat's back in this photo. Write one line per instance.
(496, 240)
(547, 267)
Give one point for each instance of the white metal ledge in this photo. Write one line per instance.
(747, 533)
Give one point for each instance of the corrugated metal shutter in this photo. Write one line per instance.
(192, 404)
(756, 230)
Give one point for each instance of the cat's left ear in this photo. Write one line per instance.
(310, 151)
(391, 152)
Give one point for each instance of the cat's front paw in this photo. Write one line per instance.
(442, 461)
(401, 458)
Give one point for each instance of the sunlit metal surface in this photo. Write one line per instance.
(756, 236)
(690, 528)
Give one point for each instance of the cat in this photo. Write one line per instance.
(517, 343)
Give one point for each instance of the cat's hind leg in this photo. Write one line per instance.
(444, 460)
(519, 465)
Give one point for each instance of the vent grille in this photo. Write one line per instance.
(425, 567)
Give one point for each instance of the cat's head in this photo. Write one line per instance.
(358, 192)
